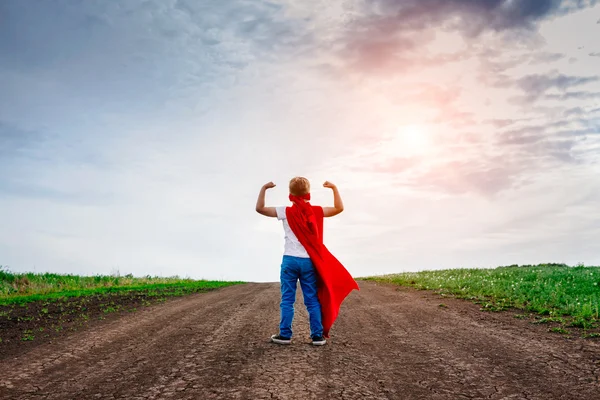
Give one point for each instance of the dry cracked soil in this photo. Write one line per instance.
(387, 343)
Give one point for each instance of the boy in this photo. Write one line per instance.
(301, 224)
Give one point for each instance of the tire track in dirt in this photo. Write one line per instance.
(387, 344)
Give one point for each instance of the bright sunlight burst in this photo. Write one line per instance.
(409, 140)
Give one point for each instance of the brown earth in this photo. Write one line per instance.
(387, 343)
(28, 325)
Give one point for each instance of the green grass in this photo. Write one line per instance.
(559, 329)
(546, 289)
(20, 288)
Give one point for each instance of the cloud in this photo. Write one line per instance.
(393, 37)
(537, 84)
(574, 95)
(102, 55)
(525, 135)
(502, 123)
(471, 17)
(580, 111)
(574, 111)
(390, 33)
(264, 24)
(586, 114)
(544, 57)
(538, 141)
(129, 130)
(497, 61)
(485, 176)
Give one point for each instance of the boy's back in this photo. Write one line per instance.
(292, 246)
(296, 264)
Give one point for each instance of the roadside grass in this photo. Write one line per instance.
(38, 307)
(19, 288)
(553, 293)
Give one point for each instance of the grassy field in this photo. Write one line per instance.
(559, 293)
(36, 308)
(28, 287)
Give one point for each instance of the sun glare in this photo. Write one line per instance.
(411, 140)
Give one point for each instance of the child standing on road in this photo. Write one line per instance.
(324, 281)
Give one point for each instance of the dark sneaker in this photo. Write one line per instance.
(318, 341)
(280, 339)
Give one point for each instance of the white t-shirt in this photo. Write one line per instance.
(292, 246)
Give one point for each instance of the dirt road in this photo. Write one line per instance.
(386, 344)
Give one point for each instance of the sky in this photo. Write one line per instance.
(136, 135)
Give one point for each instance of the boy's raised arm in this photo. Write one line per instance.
(260, 202)
(338, 205)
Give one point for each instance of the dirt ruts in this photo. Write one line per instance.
(388, 343)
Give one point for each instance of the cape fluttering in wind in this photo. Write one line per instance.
(334, 282)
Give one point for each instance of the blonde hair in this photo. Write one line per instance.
(299, 186)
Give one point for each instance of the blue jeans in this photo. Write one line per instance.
(292, 269)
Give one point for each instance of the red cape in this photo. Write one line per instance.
(334, 282)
